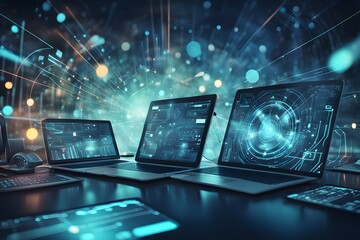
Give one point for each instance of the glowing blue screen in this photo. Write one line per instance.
(286, 128)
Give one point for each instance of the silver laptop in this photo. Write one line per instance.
(277, 136)
(172, 140)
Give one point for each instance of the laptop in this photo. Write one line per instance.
(277, 136)
(172, 140)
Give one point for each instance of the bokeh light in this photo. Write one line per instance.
(177, 55)
(262, 48)
(193, 49)
(74, 229)
(14, 29)
(125, 46)
(46, 6)
(341, 60)
(211, 47)
(77, 113)
(61, 17)
(9, 85)
(32, 133)
(102, 71)
(218, 83)
(252, 76)
(30, 102)
(7, 110)
(207, 4)
(206, 77)
(202, 89)
(353, 125)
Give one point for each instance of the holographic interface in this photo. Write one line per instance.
(174, 131)
(127, 219)
(66, 140)
(285, 128)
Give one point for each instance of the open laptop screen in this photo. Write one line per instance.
(71, 140)
(175, 130)
(286, 127)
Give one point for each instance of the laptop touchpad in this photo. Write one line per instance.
(211, 179)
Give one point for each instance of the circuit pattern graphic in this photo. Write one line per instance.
(174, 131)
(286, 128)
(79, 140)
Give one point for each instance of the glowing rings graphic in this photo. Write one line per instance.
(272, 131)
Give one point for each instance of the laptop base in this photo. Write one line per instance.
(237, 184)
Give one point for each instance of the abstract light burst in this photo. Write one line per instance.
(108, 60)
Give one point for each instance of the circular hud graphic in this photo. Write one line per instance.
(272, 128)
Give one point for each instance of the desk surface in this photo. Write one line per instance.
(203, 212)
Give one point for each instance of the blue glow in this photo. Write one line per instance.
(123, 235)
(341, 60)
(7, 110)
(211, 47)
(14, 29)
(231, 43)
(267, 130)
(125, 46)
(311, 25)
(154, 229)
(87, 236)
(77, 113)
(193, 49)
(46, 6)
(59, 53)
(81, 213)
(262, 48)
(296, 9)
(61, 17)
(252, 76)
(73, 229)
(207, 5)
(271, 127)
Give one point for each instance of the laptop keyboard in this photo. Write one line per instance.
(343, 198)
(30, 181)
(147, 168)
(261, 177)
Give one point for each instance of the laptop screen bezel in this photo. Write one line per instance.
(77, 160)
(211, 98)
(340, 83)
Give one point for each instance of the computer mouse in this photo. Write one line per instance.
(26, 159)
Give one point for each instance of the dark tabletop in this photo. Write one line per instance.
(203, 212)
